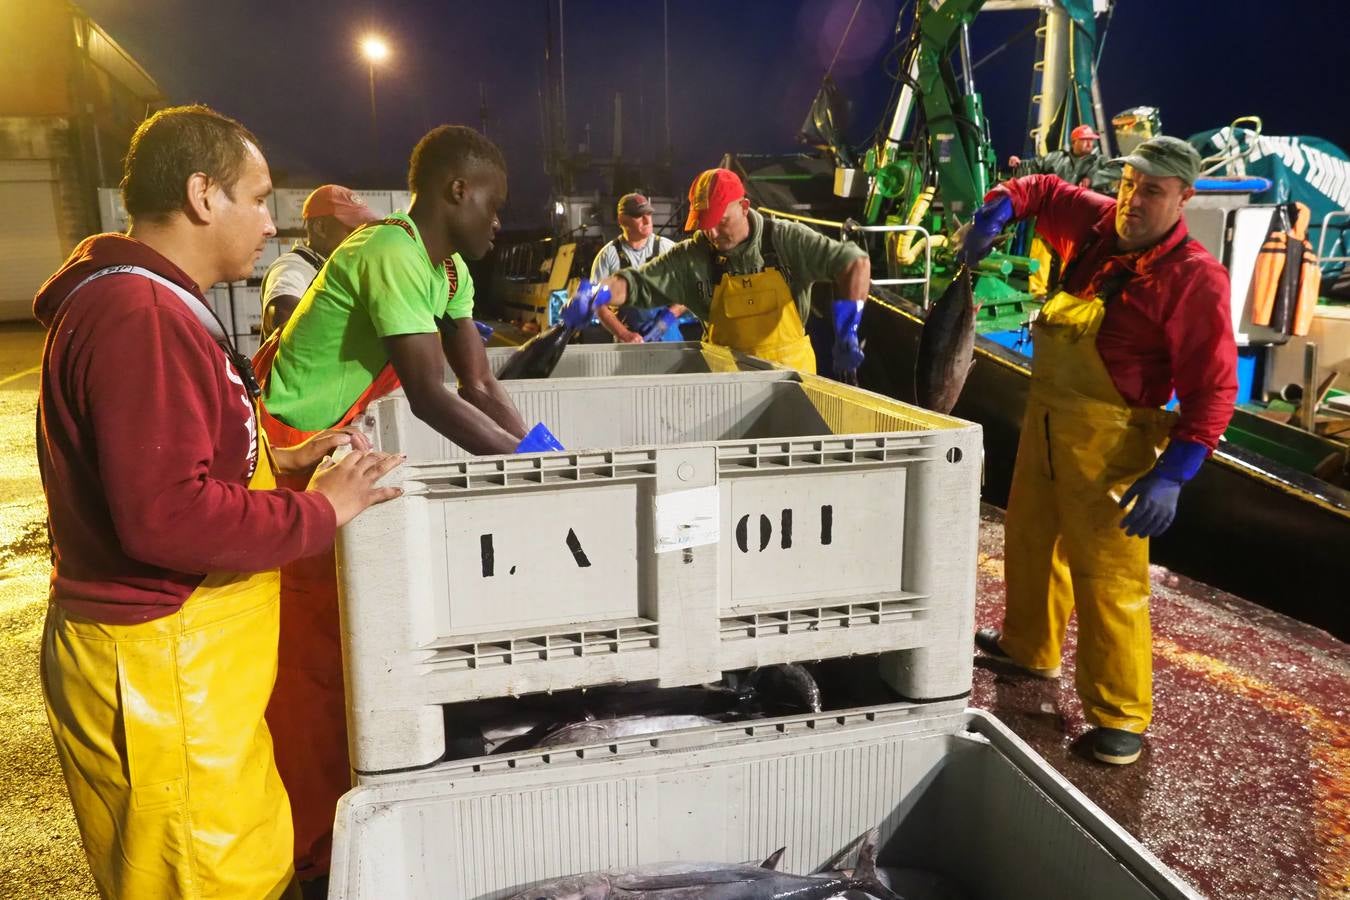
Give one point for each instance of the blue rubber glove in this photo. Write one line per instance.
(1156, 493)
(1155, 505)
(659, 325)
(484, 330)
(538, 440)
(984, 230)
(581, 308)
(847, 352)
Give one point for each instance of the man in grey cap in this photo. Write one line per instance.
(635, 245)
(1143, 311)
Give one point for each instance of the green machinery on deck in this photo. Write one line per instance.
(935, 163)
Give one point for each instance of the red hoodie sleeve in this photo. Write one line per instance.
(172, 435)
(1199, 336)
(1064, 212)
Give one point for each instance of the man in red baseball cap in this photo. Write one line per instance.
(330, 214)
(749, 278)
(1082, 164)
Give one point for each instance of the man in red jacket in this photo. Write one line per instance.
(160, 644)
(1143, 311)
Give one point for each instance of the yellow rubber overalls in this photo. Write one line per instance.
(1064, 547)
(1038, 282)
(159, 728)
(757, 314)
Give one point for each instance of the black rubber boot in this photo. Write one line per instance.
(986, 640)
(1116, 746)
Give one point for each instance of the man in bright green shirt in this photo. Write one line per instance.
(394, 299)
(397, 293)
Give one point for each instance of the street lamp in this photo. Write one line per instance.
(375, 50)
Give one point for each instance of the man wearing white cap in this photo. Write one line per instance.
(330, 214)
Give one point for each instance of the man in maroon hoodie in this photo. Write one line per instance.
(160, 646)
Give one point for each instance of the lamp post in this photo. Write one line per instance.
(375, 50)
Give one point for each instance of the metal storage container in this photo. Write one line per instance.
(953, 792)
(724, 521)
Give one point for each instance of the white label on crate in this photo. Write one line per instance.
(687, 518)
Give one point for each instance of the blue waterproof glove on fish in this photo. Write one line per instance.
(539, 440)
(658, 325)
(484, 331)
(847, 352)
(1155, 494)
(581, 308)
(984, 230)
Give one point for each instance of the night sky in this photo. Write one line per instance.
(742, 73)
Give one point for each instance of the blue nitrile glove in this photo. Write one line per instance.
(538, 440)
(581, 308)
(658, 324)
(484, 330)
(847, 352)
(1155, 494)
(984, 230)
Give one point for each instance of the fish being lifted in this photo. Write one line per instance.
(539, 356)
(947, 346)
(718, 881)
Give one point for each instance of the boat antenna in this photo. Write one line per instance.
(665, 40)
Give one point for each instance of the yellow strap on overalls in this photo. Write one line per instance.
(1081, 445)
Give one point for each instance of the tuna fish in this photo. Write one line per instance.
(538, 357)
(598, 731)
(947, 346)
(715, 881)
(791, 679)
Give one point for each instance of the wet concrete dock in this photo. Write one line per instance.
(1244, 784)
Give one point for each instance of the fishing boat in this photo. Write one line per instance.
(1268, 516)
(1256, 521)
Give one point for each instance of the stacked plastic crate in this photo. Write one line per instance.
(113, 218)
(712, 513)
(286, 204)
(722, 520)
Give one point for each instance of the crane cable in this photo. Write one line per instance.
(839, 49)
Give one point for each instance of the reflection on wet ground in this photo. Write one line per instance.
(1244, 784)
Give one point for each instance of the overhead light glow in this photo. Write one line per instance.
(374, 49)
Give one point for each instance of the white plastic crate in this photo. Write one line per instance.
(111, 213)
(380, 202)
(658, 358)
(739, 520)
(953, 792)
(399, 201)
(247, 304)
(272, 248)
(288, 203)
(219, 300)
